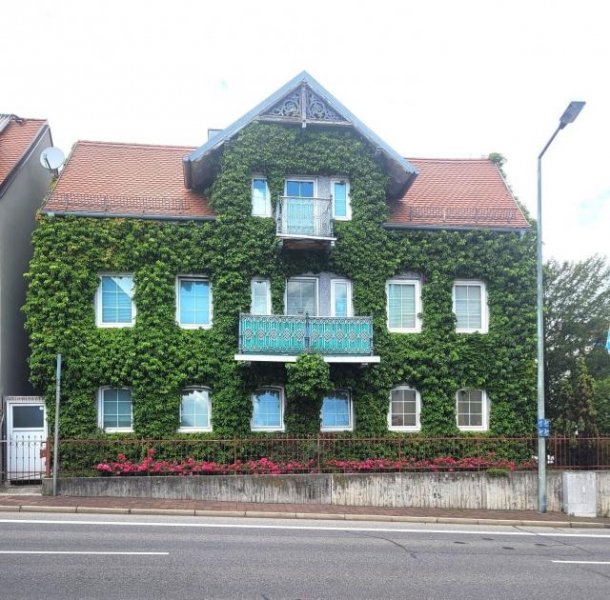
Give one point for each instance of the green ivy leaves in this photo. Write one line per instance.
(157, 359)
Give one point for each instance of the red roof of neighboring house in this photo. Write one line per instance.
(457, 193)
(16, 139)
(140, 180)
(126, 179)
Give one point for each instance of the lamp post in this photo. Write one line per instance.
(568, 116)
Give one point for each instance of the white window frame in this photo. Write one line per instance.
(348, 201)
(180, 278)
(333, 297)
(317, 282)
(350, 425)
(485, 410)
(268, 295)
(100, 410)
(484, 306)
(417, 426)
(268, 211)
(186, 391)
(98, 307)
(306, 179)
(282, 426)
(418, 304)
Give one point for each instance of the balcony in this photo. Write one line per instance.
(305, 222)
(278, 338)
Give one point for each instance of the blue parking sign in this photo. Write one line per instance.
(544, 427)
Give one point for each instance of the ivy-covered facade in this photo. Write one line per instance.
(285, 291)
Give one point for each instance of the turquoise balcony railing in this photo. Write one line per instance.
(292, 335)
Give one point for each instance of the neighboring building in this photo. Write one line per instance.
(180, 284)
(23, 185)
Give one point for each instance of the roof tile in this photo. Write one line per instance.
(15, 140)
(457, 193)
(126, 179)
(141, 180)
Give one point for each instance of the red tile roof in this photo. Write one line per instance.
(457, 193)
(129, 179)
(15, 141)
(126, 179)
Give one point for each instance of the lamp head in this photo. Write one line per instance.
(569, 114)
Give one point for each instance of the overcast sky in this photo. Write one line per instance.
(433, 78)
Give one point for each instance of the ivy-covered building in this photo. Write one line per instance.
(293, 274)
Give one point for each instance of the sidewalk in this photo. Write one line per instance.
(29, 500)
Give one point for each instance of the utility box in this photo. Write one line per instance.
(580, 494)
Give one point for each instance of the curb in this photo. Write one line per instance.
(258, 514)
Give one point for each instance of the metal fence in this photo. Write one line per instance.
(322, 453)
(23, 459)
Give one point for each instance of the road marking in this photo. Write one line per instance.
(582, 562)
(321, 528)
(84, 552)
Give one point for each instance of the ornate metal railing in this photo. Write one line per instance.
(304, 217)
(293, 335)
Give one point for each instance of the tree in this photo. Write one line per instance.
(577, 314)
(601, 400)
(576, 410)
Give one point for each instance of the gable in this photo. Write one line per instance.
(301, 102)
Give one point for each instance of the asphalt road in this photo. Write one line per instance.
(68, 557)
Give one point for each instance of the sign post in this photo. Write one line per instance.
(56, 436)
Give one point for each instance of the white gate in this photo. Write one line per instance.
(26, 435)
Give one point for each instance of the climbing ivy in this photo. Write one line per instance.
(157, 359)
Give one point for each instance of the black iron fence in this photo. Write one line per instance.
(321, 454)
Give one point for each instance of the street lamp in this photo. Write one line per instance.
(568, 116)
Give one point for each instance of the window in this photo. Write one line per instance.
(268, 410)
(114, 305)
(404, 305)
(261, 297)
(194, 304)
(302, 296)
(336, 414)
(342, 209)
(261, 199)
(341, 298)
(472, 410)
(195, 410)
(300, 188)
(115, 409)
(405, 409)
(470, 306)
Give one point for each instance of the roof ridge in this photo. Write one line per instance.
(133, 145)
(454, 159)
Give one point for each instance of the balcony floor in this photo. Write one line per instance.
(293, 358)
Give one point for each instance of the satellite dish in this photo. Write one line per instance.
(52, 159)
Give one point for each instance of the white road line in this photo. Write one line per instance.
(582, 562)
(84, 552)
(321, 528)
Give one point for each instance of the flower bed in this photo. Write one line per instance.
(264, 466)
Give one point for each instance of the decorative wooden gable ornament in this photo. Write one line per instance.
(305, 106)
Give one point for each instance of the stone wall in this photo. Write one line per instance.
(517, 491)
